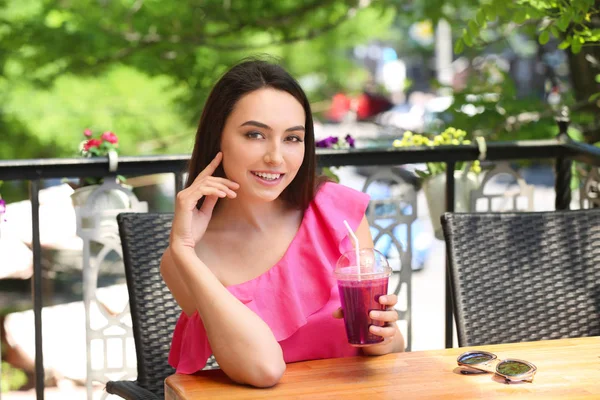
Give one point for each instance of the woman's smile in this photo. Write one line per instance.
(268, 178)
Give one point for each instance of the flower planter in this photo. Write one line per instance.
(106, 199)
(435, 193)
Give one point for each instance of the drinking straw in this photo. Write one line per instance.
(356, 247)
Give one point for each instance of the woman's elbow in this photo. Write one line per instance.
(265, 376)
(268, 377)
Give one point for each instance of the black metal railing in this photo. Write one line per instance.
(561, 150)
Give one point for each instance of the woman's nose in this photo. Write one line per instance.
(273, 155)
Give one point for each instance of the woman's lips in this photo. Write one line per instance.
(268, 178)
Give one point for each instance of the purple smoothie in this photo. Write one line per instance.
(358, 298)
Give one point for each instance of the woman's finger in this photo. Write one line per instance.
(211, 167)
(385, 316)
(225, 185)
(189, 197)
(386, 331)
(339, 313)
(210, 191)
(388, 300)
(208, 205)
(227, 182)
(220, 186)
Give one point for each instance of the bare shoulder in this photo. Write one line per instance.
(363, 233)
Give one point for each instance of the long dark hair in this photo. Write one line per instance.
(245, 77)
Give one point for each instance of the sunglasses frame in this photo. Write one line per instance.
(492, 365)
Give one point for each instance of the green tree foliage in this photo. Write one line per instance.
(190, 41)
(570, 21)
(139, 109)
(143, 68)
(491, 25)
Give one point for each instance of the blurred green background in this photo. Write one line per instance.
(142, 68)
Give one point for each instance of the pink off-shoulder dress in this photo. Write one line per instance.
(297, 296)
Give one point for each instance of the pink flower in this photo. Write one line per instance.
(92, 143)
(110, 137)
(87, 133)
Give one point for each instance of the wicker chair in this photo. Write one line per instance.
(154, 312)
(519, 277)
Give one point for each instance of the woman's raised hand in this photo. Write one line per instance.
(189, 223)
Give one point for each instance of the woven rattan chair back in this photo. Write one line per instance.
(154, 312)
(524, 276)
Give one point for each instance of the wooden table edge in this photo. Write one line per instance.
(171, 393)
(174, 393)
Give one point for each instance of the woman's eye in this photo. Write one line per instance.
(254, 135)
(294, 138)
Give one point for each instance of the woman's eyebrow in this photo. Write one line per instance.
(256, 124)
(295, 128)
(265, 126)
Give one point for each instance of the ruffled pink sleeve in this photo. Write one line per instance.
(298, 286)
(189, 346)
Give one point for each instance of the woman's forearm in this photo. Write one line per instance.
(242, 343)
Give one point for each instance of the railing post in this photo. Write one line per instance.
(562, 184)
(34, 188)
(179, 182)
(449, 325)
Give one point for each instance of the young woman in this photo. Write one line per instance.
(255, 237)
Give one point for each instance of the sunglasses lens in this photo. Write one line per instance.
(475, 358)
(513, 368)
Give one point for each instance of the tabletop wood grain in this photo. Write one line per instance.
(567, 368)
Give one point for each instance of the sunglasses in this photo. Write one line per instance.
(512, 370)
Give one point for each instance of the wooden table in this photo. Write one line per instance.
(567, 368)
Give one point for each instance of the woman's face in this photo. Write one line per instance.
(263, 143)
